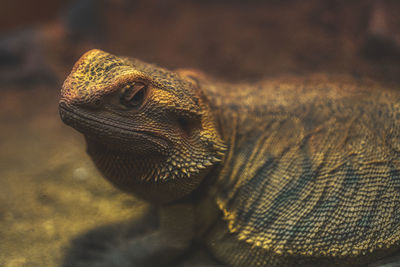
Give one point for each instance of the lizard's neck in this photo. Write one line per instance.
(226, 106)
(138, 174)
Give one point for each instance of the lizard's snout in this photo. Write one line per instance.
(65, 113)
(98, 77)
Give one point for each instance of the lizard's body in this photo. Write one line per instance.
(313, 132)
(300, 170)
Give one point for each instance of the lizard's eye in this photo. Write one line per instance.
(133, 95)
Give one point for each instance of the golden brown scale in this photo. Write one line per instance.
(312, 168)
(301, 169)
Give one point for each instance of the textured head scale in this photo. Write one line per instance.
(98, 73)
(158, 119)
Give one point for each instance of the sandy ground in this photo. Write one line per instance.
(50, 191)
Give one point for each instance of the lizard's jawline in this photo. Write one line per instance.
(88, 125)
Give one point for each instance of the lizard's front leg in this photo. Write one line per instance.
(173, 237)
(158, 238)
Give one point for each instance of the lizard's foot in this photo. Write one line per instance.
(112, 245)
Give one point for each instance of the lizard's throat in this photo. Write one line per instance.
(150, 177)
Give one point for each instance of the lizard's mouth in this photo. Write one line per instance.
(111, 133)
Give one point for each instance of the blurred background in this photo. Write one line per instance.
(50, 192)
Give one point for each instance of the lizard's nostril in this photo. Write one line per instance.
(97, 102)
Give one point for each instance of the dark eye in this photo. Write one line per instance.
(133, 95)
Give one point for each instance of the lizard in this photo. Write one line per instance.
(293, 170)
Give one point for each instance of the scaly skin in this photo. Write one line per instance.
(280, 172)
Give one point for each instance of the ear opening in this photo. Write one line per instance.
(189, 124)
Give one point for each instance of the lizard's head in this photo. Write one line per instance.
(148, 130)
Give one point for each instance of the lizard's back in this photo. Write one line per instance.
(312, 169)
